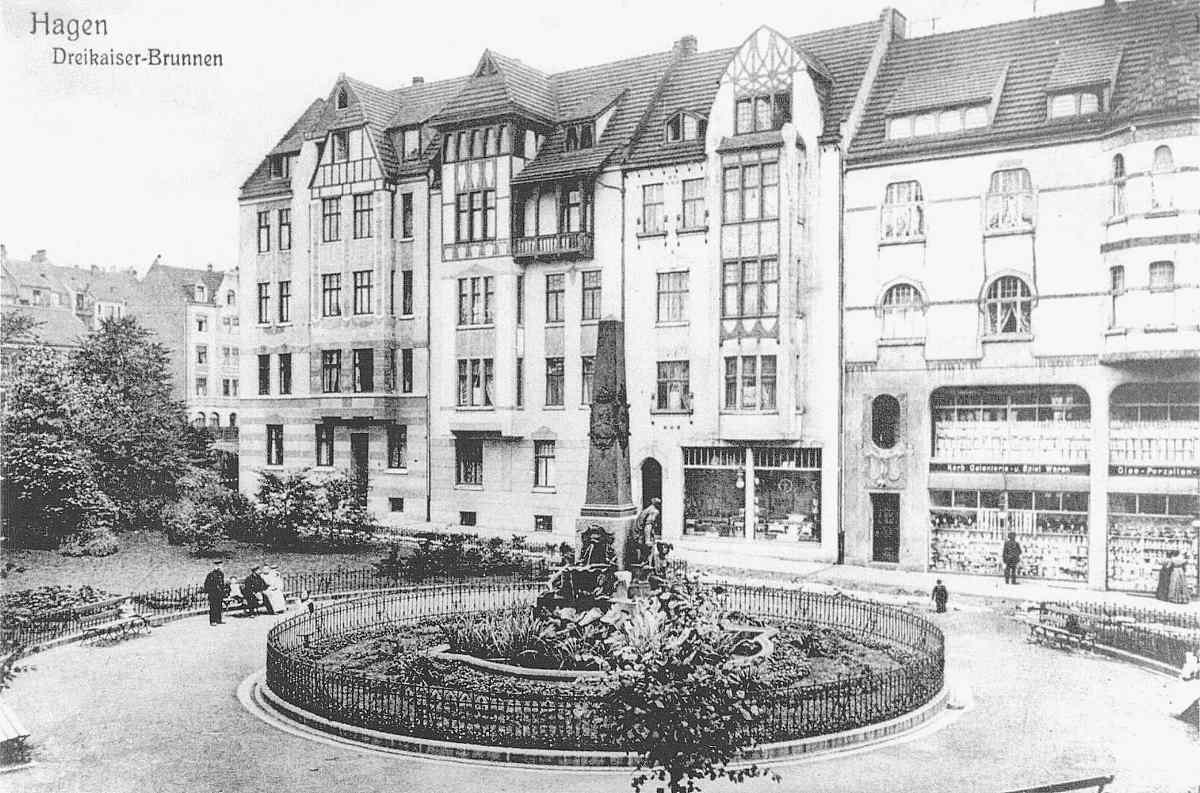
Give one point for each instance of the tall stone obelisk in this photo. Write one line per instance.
(609, 503)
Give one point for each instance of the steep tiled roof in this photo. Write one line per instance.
(1158, 73)
(417, 103)
(57, 327)
(841, 53)
(110, 285)
(501, 85)
(588, 91)
(260, 182)
(183, 280)
(959, 84)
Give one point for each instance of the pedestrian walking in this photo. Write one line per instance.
(1011, 556)
(940, 596)
(215, 589)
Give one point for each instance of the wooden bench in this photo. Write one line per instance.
(125, 625)
(13, 750)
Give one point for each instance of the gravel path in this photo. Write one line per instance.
(160, 713)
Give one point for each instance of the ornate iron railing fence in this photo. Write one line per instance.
(573, 718)
(1161, 635)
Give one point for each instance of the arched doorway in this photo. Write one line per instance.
(651, 480)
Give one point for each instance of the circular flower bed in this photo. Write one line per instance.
(838, 664)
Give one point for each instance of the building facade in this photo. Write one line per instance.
(886, 298)
(1022, 300)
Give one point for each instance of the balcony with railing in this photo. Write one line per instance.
(552, 220)
(563, 245)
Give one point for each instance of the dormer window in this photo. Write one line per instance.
(341, 146)
(410, 143)
(762, 113)
(937, 122)
(1075, 103)
(281, 166)
(343, 99)
(581, 136)
(685, 126)
(201, 293)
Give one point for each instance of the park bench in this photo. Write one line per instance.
(13, 735)
(1061, 628)
(127, 623)
(1097, 783)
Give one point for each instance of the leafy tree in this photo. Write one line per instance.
(681, 703)
(49, 490)
(17, 325)
(136, 434)
(289, 505)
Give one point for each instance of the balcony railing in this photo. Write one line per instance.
(564, 245)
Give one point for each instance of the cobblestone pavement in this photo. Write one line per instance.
(159, 713)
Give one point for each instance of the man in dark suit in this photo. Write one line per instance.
(1011, 555)
(214, 588)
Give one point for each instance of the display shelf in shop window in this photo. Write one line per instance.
(1138, 545)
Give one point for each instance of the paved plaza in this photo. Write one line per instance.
(160, 713)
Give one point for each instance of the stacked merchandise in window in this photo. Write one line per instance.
(1142, 529)
(968, 529)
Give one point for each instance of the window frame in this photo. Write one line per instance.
(274, 437)
(1010, 208)
(363, 213)
(331, 371)
(285, 372)
(264, 374)
(765, 289)
(543, 464)
(556, 298)
(264, 302)
(590, 286)
(676, 297)
(555, 381)
(264, 231)
(740, 380)
(999, 308)
(397, 447)
(654, 205)
(331, 294)
(285, 301)
(323, 443)
(363, 292)
(331, 219)
(285, 229)
(468, 461)
(693, 213)
(902, 215)
(673, 376)
(362, 366)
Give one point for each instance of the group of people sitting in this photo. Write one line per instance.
(263, 587)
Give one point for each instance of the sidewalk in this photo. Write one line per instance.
(914, 585)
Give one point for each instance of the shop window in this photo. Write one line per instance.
(1008, 306)
(1009, 204)
(903, 214)
(968, 529)
(903, 313)
(885, 419)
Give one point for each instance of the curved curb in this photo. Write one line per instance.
(256, 697)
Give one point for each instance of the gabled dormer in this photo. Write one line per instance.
(1081, 83)
(684, 126)
(349, 156)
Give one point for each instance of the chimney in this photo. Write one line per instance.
(40, 255)
(210, 267)
(418, 80)
(686, 46)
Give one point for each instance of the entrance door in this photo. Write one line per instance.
(651, 481)
(885, 534)
(360, 445)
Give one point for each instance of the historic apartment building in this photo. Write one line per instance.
(1021, 318)
(813, 241)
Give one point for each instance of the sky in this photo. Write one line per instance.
(114, 166)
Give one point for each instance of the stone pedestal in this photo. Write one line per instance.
(619, 527)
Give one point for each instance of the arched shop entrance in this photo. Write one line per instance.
(651, 480)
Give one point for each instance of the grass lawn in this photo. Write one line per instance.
(147, 562)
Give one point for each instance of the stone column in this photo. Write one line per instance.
(748, 504)
(609, 502)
